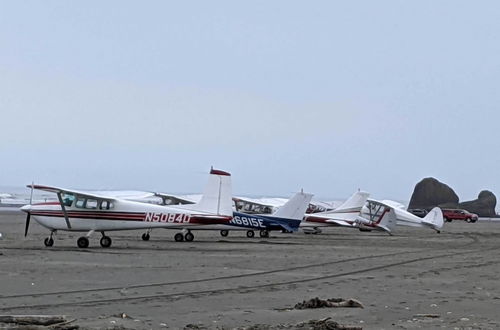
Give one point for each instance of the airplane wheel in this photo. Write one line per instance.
(189, 237)
(48, 241)
(145, 237)
(264, 233)
(83, 242)
(250, 234)
(105, 241)
(224, 233)
(179, 237)
(365, 230)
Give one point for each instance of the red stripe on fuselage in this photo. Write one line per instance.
(128, 216)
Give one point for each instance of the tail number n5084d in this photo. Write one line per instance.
(247, 221)
(167, 217)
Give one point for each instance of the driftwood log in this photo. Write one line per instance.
(33, 319)
(332, 302)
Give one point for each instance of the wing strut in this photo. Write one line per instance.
(64, 210)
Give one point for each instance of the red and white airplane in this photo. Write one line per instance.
(379, 218)
(433, 220)
(88, 212)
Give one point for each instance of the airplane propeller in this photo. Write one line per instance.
(28, 216)
(27, 224)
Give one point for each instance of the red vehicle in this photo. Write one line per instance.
(458, 214)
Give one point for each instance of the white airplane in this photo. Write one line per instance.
(433, 220)
(87, 212)
(348, 215)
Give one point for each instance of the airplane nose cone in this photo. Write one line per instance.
(26, 208)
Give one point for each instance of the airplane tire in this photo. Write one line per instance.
(105, 241)
(83, 242)
(224, 233)
(145, 237)
(48, 241)
(189, 237)
(179, 237)
(264, 233)
(250, 233)
(365, 230)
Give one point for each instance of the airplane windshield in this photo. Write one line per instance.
(68, 199)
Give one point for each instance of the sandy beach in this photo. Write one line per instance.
(416, 279)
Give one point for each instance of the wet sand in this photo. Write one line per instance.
(235, 282)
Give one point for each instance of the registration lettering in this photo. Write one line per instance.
(167, 217)
(247, 221)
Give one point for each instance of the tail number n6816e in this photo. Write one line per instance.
(247, 221)
(167, 217)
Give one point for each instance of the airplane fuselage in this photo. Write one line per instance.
(124, 215)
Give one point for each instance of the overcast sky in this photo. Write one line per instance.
(330, 96)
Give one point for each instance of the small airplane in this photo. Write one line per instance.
(348, 215)
(88, 212)
(433, 219)
(286, 218)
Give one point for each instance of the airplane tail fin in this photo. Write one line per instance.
(217, 196)
(434, 219)
(387, 220)
(295, 208)
(354, 204)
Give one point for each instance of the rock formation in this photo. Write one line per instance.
(484, 205)
(429, 193)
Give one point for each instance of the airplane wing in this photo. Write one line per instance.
(58, 190)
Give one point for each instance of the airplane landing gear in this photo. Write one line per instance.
(145, 237)
(179, 237)
(105, 241)
(82, 242)
(264, 233)
(224, 233)
(49, 241)
(189, 237)
(250, 234)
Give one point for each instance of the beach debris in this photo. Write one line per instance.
(58, 322)
(122, 316)
(432, 316)
(194, 326)
(329, 324)
(331, 302)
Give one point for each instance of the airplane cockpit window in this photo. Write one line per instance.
(68, 199)
(91, 204)
(80, 203)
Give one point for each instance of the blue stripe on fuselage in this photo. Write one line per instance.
(258, 222)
